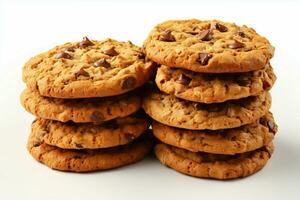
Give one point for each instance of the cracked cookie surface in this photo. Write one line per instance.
(213, 165)
(209, 46)
(80, 110)
(88, 69)
(229, 141)
(213, 88)
(176, 112)
(87, 160)
(71, 135)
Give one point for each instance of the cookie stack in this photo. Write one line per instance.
(211, 109)
(84, 95)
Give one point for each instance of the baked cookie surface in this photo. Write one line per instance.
(80, 110)
(213, 165)
(71, 135)
(229, 141)
(87, 160)
(88, 69)
(176, 112)
(209, 46)
(213, 88)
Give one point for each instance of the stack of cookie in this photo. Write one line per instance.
(84, 95)
(211, 109)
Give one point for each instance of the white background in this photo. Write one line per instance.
(29, 27)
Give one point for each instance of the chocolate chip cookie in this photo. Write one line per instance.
(214, 88)
(71, 135)
(213, 165)
(209, 46)
(88, 69)
(87, 160)
(229, 141)
(176, 112)
(80, 110)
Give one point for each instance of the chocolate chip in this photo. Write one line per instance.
(272, 126)
(221, 27)
(85, 42)
(129, 137)
(167, 36)
(203, 58)
(81, 72)
(102, 63)
(111, 51)
(37, 143)
(97, 117)
(192, 32)
(78, 145)
(183, 79)
(233, 138)
(243, 82)
(63, 55)
(70, 49)
(266, 85)
(269, 123)
(205, 35)
(236, 44)
(242, 34)
(128, 82)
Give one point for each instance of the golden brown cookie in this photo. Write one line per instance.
(213, 165)
(87, 160)
(229, 141)
(214, 88)
(176, 112)
(71, 135)
(88, 69)
(209, 46)
(80, 110)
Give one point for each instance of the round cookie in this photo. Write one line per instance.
(176, 112)
(229, 141)
(80, 110)
(209, 46)
(88, 69)
(88, 135)
(213, 88)
(213, 165)
(87, 160)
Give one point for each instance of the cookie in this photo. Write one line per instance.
(229, 141)
(80, 110)
(88, 69)
(88, 135)
(209, 46)
(176, 112)
(213, 88)
(87, 160)
(213, 165)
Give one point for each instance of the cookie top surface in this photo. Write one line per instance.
(213, 88)
(209, 46)
(213, 165)
(80, 110)
(176, 112)
(88, 69)
(87, 160)
(88, 135)
(229, 141)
